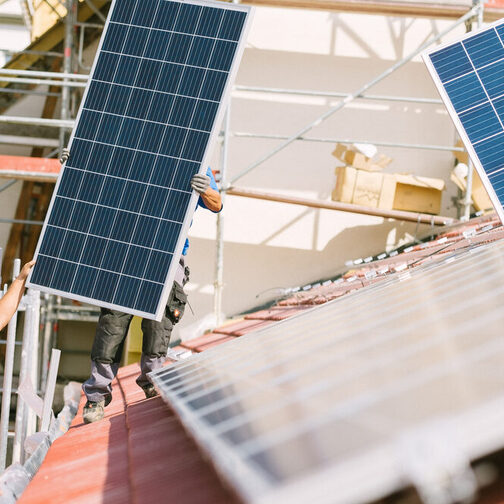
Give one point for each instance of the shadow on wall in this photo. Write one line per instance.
(250, 270)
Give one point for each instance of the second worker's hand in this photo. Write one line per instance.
(200, 182)
(23, 275)
(65, 154)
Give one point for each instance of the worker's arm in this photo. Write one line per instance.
(211, 198)
(10, 302)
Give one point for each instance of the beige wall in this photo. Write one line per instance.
(270, 244)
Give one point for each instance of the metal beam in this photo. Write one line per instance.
(436, 220)
(42, 82)
(324, 94)
(347, 141)
(37, 121)
(433, 9)
(36, 73)
(31, 141)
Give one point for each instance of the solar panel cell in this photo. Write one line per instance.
(151, 136)
(183, 174)
(97, 160)
(106, 67)
(63, 275)
(169, 77)
(174, 204)
(451, 62)
(195, 145)
(145, 231)
(232, 25)
(109, 128)
(191, 81)
(222, 55)
(123, 11)
(127, 289)
(188, 19)
(114, 259)
(480, 122)
(484, 48)
(70, 183)
(157, 266)
(145, 10)
(61, 215)
(166, 15)
(93, 250)
(466, 92)
(492, 79)
(105, 286)
(166, 235)
(81, 216)
(491, 153)
(214, 86)
(119, 162)
(72, 246)
(147, 295)
(84, 281)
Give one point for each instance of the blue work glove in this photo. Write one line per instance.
(200, 182)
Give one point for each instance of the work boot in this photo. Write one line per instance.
(93, 411)
(149, 391)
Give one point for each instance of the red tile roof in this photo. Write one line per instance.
(138, 454)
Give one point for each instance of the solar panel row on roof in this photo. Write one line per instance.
(325, 413)
(124, 198)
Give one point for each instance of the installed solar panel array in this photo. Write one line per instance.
(337, 404)
(123, 204)
(469, 75)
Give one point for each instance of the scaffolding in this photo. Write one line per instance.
(66, 83)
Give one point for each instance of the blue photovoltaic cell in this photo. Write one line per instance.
(471, 72)
(142, 133)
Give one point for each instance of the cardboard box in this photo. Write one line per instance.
(346, 178)
(388, 191)
(368, 188)
(359, 187)
(418, 194)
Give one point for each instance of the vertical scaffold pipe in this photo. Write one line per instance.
(7, 381)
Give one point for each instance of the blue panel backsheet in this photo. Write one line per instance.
(142, 133)
(471, 72)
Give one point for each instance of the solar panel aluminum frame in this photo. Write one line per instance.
(456, 121)
(158, 315)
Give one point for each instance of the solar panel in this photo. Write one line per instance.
(123, 203)
(469, 75)
(329, 406)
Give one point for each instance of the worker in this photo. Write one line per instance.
(10, 302)
(113, 325)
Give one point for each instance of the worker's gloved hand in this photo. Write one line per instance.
(200, 182)
(65, 154)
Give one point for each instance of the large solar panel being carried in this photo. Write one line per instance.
(469, 75)
(123, 203)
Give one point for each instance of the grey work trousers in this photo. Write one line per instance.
(110, 336)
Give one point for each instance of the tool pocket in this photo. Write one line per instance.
(176, 303)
